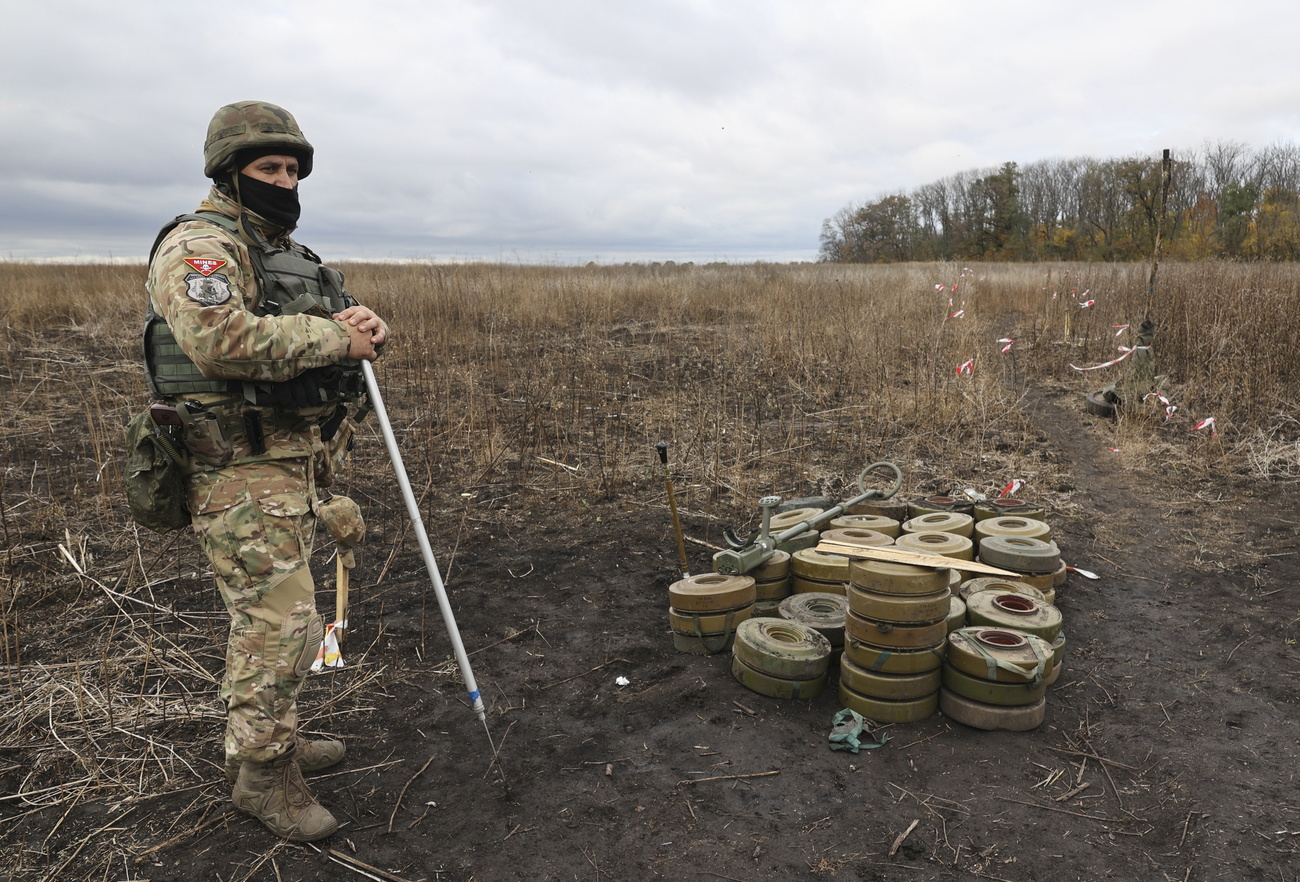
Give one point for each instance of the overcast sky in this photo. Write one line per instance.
(562, 131)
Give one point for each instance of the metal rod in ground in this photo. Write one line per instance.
(662, 447)
(413, 509)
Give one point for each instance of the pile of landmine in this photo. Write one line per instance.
(906, 640)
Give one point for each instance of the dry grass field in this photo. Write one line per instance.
(528, 401)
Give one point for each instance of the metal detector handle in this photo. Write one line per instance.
(898, 480)
(413, 510)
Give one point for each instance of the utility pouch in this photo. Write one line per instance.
(331, 283)
(204, 437)
(329, 463)
(294, 298)
(154, 477)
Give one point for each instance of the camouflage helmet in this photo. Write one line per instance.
(246, 124)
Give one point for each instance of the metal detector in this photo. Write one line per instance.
(753, 551)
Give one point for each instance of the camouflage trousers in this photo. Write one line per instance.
(260, 547)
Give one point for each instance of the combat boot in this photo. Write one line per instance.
(311, 756)
(276, 795)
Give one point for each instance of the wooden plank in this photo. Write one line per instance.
(916, 558)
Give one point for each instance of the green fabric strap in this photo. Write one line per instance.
(886, 654)
(725, 635)
(993, 664)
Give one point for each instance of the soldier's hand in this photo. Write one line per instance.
(364, 320)
(361, 344)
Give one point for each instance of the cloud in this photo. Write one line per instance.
(578, 128)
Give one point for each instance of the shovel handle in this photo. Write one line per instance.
(340, 596)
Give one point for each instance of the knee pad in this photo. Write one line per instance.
(300, 637)
(294, 630)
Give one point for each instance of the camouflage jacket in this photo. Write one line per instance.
(215, 323)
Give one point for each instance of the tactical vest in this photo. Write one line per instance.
(290, 281)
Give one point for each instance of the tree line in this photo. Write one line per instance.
(1225, 201)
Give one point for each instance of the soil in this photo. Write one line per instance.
(1169, 749)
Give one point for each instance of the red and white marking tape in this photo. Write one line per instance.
(1170, 409)
(1126, 350)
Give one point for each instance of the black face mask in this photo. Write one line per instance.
(279, 205)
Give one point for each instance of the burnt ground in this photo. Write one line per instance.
(1169, 750)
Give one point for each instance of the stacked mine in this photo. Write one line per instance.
(824, 612)
(780, 658)
(814, 572)
(894, 638)
(995, 678)
(705, 611)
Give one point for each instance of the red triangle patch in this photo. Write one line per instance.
(205, 265)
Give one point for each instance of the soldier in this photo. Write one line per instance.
(257, 345)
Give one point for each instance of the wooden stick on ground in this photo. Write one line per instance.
(227, 814)
(893, 849)
(729, 777)
(407, 785)
(1100, 759)
(1049, 808)
(585, 673)
(361, 867)
(1075, 792)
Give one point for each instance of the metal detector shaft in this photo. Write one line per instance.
(413, 509)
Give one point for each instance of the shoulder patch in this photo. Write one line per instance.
(205, 265)
(210, 290)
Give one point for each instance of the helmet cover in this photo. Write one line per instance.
(254, 124)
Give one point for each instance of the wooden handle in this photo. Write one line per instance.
(340, 596)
